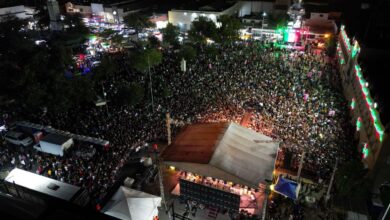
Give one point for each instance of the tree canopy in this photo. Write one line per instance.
(142, 59)
(187, 52)
(229, 29)
(202, 29)
(34, 74)
(171, 34)
(137, 21)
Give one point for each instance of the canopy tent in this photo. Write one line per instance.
(225, 151)
(130, 204)
(287, 188)
(246, 154)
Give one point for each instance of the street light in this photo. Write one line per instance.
(262, 23)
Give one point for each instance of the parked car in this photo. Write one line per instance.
(18, 138)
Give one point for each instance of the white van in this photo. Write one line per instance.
(18, 138)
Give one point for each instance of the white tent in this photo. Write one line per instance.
(130, 204)
(241, 156)
(246, 154)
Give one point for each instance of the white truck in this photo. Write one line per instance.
(55, 144)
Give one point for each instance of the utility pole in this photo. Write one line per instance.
(160, 167)
(151, 85)
(300, 166)
(168, 122)
(262, 23)
(105, 99)
(331, 182)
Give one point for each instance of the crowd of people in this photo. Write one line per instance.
(292, 96)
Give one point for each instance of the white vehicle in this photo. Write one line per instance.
(18, 138)
(55, 144)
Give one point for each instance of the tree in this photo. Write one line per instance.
(145, 58)
(229, 30)
(106, 68)
(107, 33)
(130, 94)
(202, 29)
(137, 21)
(330, 45)
(117, 40)
(42, 17)
(187, 52)
(171, 35)
(153, 42)
(33, 74)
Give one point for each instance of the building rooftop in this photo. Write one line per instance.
(55, 139)
(42, 184)
(195, 143)
(224, 150)
(203, 5)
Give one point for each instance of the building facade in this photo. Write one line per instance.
(371, 135)
(113, 13)
(184, 18)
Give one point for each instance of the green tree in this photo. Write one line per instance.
(105, 69)
(187, 52)
(74, 32)
(107, 33)
(137, 21)
(171, 35)
(117, 40)
(330, 45)
(153, 42)
(202, 29)
(42, 18)
(130, 94)
(32, 74)
(229, 30)
(142, 59)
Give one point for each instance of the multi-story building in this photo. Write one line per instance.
(110, 13)
(184, 17)
(371, 134)
(250, 11)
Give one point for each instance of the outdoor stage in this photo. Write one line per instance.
(251, 200)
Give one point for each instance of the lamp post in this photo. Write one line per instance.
(105, 99)
(151, 85)
(262, 23)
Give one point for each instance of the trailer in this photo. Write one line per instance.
(54, 144)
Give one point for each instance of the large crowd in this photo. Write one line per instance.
(292, 96)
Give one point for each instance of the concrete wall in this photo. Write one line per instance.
(319, 16)
(184, 18)
(249, 7)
